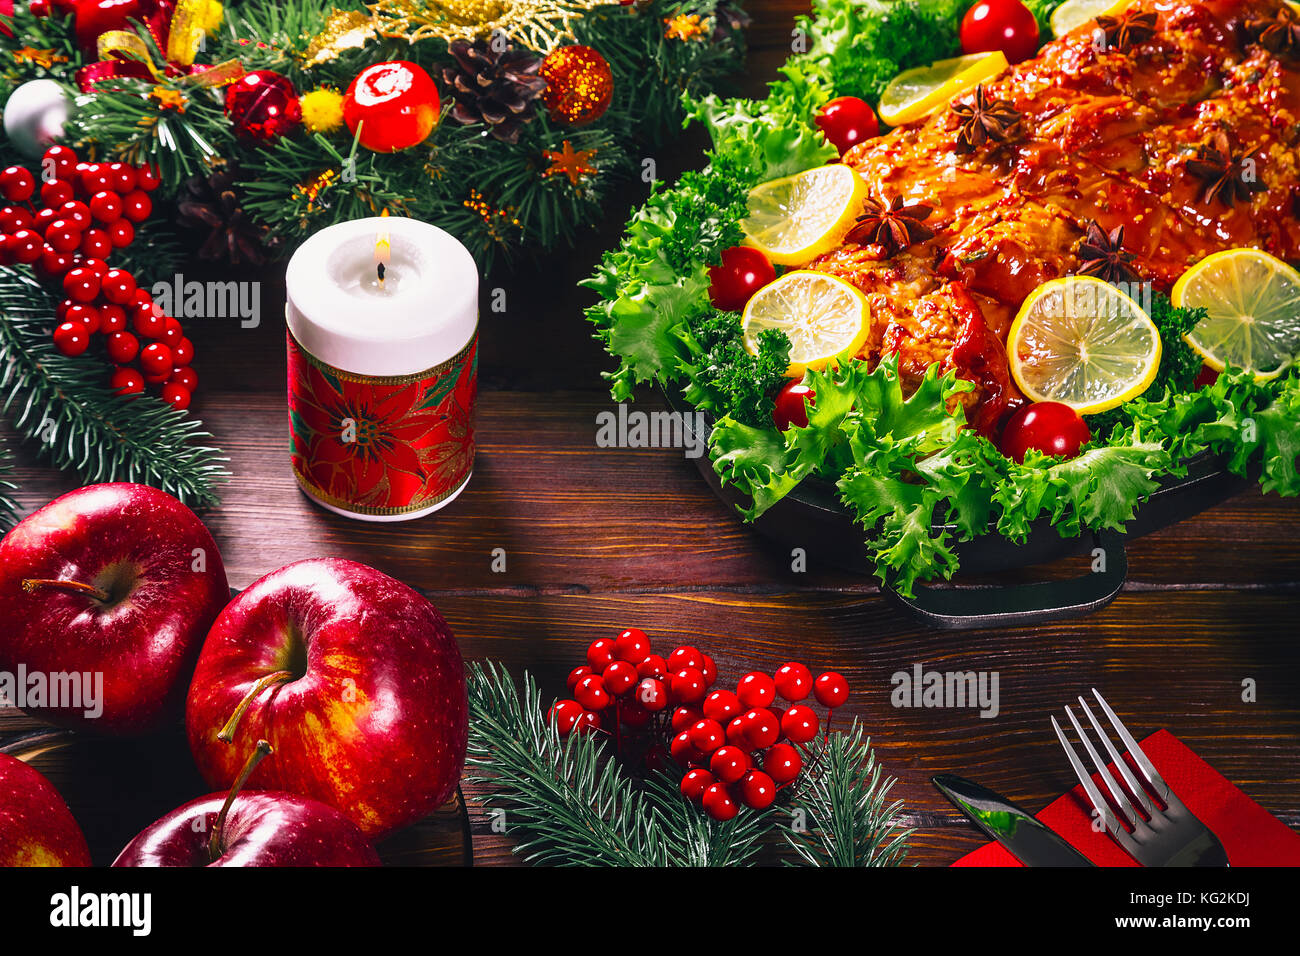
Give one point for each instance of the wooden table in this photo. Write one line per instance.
(601, 539)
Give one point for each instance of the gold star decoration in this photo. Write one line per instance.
(311, 188)
(43, 58)
(567, 161)
(539, 25)
(685, 26)
(168, 99)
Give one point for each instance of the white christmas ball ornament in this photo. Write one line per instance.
(34, 116)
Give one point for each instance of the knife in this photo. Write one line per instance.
(1029, 840)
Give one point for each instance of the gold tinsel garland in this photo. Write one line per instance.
(539, 25)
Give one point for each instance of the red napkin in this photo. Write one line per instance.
(1251, 835)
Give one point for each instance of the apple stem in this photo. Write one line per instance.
(227, 733)
(31, 585)
(217, 842)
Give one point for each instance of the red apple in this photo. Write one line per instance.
(36, 826)
(115, 585)
(251, 829)
(354, 678)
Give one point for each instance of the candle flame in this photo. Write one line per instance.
(383, 249)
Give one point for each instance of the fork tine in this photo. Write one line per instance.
(1146, 766)
(1121, 798)
(1120, 764)
(1098, 802)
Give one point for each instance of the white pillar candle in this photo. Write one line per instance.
(382, 318)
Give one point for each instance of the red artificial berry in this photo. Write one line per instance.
(187, 377)
(600, 654)
(176, 396)
(106, 206)
(653, 666)
(729, 763)
(564, 713)
(632, 646)
(688, 686)
(156, 359)
(81, 284)
(157, 378)
(55, 193)
(793, 681)
(757, 790)
(95, 179)
(39, 8)
(652, 694)
(736, 732)
(61, 160)
(183, 353)
(742, 273)
(694, 784)
(95, 265)
(761, 728)
(118, 286)
(122, 347)
(53, 262)
(587, 721)
(590, 691)
(846, 121)
(121, 234)
(95, 243)
(87, 315)
(41, 221)
(146, 177)
(71, 337)
(717, 802)
(706, 735)
(782, 763)
(112, 318)
(13, 218)
(17, 184)
(123, 178)
(127, 381)
(25, 246)
(722, 706)
(683, 751)
(683, 717)
(831, 690)
(143, 295)
(633, 713)
(756, 689)
(685, 657)
(61, 310)
(577, 674)
(137, 205)
(78, 213)
(709, 669)
(620, 676)
(799, 724)
(61, 235)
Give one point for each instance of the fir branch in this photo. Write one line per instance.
(83, 425)
(697, 839)
(8, 507)
(843, 797)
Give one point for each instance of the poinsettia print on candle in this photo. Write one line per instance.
(383, 367)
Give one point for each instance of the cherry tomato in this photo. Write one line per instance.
(1049, 427)
(789, 407)
(1005, 25)
(846, 121)
(743, 272)
(1206, 376)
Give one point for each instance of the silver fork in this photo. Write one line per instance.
(1153, 836)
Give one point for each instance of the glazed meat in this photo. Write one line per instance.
(1118, 127)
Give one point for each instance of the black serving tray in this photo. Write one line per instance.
(812, 513)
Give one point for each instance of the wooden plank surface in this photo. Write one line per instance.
(599, 539)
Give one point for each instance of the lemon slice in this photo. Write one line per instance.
(795, 219)
(820, 314)
(921, 90)
(1073, 14)
(1083, 342)
(1253, 301)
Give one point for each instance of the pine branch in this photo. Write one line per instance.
(8, 507)
(843, 799)
(697, 839)
(80, 423)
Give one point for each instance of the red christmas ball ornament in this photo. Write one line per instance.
(742, 273)
(395, 103)
(846, 121)
(261, 105)
(579, 85)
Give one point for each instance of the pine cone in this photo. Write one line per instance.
(210, 202)
(499, 89)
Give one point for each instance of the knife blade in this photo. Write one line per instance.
(1028, 839)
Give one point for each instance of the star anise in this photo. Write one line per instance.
(1104, 257)
(984, 120)
(1224, 173)
(1128, 30)
(1280, 34)
(892, 225)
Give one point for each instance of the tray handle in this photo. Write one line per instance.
(1019, 605)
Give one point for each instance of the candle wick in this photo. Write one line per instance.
(381, 271)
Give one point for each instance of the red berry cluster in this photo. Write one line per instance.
(736, 746)
(66, 231)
